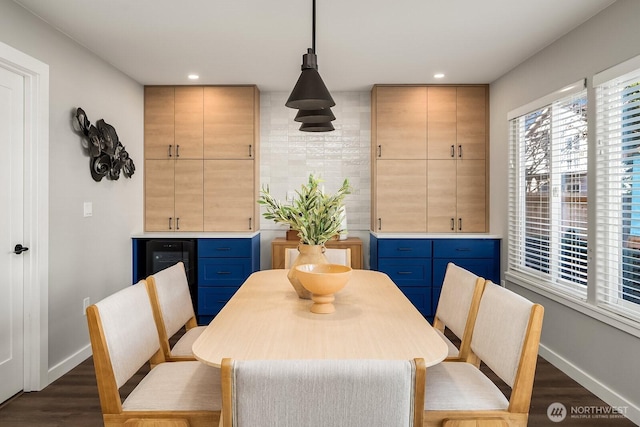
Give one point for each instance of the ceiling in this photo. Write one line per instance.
(358, 42)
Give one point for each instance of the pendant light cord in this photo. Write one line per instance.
(313, 29)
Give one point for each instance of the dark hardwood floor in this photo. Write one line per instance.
(72, 401)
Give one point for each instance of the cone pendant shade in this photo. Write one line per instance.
(310, 92)
(315, 116)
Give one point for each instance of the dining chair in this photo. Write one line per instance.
(333, 255)
(457, 310)
(506, 337)
(173, 310)
(123, 338)
(322, 393)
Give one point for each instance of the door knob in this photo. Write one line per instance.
(19, 249)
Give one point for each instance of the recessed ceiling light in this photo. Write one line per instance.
(193, 77)
(438, 75)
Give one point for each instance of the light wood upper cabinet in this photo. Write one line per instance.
(159, 119)
(442, 122)
(472, 121)
(447, 126)
(159, 195)
(188, 195)
(401, 196)
(188, 122)
(230, 198)
(230, 116)
(184, 127)
(401, 122)
(456, 196)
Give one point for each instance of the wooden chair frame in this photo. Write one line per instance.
(517, 413)
(110, 400)
(226, 376)
(464, 351)
(165, 355)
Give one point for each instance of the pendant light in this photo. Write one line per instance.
(310, 95)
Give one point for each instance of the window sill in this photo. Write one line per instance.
(605, 316)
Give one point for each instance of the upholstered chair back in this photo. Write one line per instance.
(322, 393)
(174, 298)
(500, 330)
(455, 299)
(129, 330)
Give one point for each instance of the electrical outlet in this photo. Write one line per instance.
(87, 209)
(85, 303)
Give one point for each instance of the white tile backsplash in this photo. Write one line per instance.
(288, 156)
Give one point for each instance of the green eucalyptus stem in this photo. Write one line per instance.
(316, 216)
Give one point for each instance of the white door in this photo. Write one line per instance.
(11, 233)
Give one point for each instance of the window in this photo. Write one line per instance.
(618, 188)
(548, 191)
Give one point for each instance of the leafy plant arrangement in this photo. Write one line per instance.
(316, 216)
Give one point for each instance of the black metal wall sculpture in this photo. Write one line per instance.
(107, 156)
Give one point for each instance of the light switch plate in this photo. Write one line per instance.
(88, 209)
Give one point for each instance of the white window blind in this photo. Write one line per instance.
(618, 190)
(548, 192)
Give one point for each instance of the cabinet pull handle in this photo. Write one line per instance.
(379, 223)
(453, 151)
(404, 273)
(379, 150)
(170, 146)
(250, 150)
(223, 272)
(250, 225)
(177, 223)
(459, 151)
(405, 249)
(170, 220)
(223, 249)
(459, 224)
(463, 249)
(177, 151)
(453, 221)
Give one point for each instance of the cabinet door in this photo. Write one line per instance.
(441, 123)
(188, 122)
(441, 200)
(471, 198)
(188, 195)
(229, 122)
(401, 128)
(158, 122)
(472, 121)
(229, 195)
(159, 195)
(401, 196)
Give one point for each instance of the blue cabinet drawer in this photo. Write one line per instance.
(487, 268)
(404, 248)
(224, 248)
(223, 271)
(211, 300)
(420, 298)
(407, 272)
(465, 248)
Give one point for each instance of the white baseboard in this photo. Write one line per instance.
(611, 397)
(69, 363)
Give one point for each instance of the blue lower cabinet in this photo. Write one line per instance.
(211, 300)
(420, 297)
(418, 266)
(223, 265)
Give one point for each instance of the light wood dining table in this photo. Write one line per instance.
(265, 319)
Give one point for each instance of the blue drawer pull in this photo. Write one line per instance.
(223, 272)
(405, 249)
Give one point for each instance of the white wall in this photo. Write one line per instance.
(600, 356)
(287, 156)
(88, 257)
